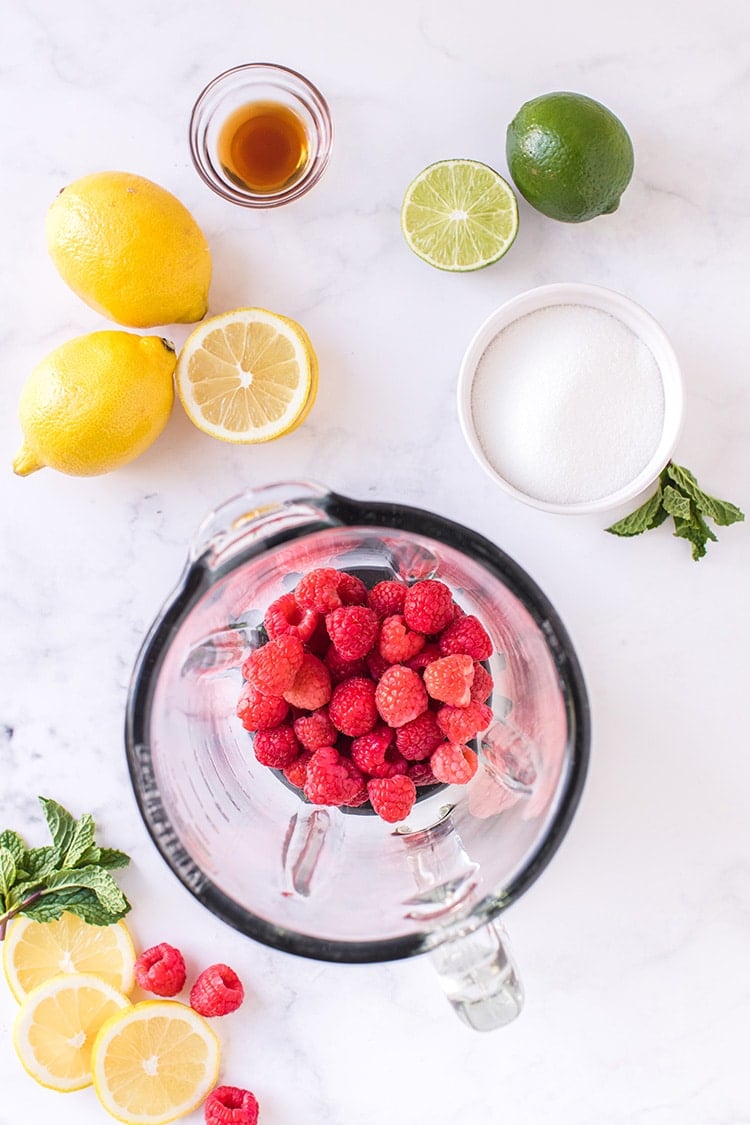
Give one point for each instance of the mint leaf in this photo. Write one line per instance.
(642, 519)
(82, 840)
(15, 845)
(676, 503)
(721, 512)
(96, 879)
(110, 858)
(41, 862)
(7, 874)
(61, 824)
(696, 531)
(75, 900)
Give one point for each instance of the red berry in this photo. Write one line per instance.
(312, 685)
(482, 684)
(329, 780)
(416, 740)
(296, 773)
(217, 991)
(421, 774)
(319, 642)
(161, 970)
(353, 630)
(260, 712)
(369, 750)
(392, 797)
(352, 708)
(318, 590)
(461, 724)
(397, 643)
(351, 589)
(453, 763)
(315, 730)
(358, 795)
(341, 669)
(387, 598)
(286, 617)
(229, 1105)
(272, 668)
(426, 656)
(376, 664)
(428, 606)
(276, 748)
(400, 695)
(449, 679)
(466, 635)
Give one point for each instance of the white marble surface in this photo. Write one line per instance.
(633, 944)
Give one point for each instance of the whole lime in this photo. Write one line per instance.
(569, 156)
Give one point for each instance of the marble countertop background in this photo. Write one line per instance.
(633, 945)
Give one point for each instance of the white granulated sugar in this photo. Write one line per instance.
(568, 404)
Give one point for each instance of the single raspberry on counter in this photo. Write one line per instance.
(482, 684)
(466, 635)
(276, 748)
(296, 772)
(272, 667)
(351, 589)
(353, 630)
(387, 598)
(257, 711)
(397, 643)
(161, 970)
(449, 679)
(312, 685)
(229, 1105)
(461, 724)
(421, 774)
(329, 780)
(318, 589)
(400, 695)
(426, 656)
(217, 991)
(285, 617)
(428, 606)
(352, 708)
(454, 763)
(392, 797)
(315, 730)
(341, 669)
(369, 750)
(417, 739)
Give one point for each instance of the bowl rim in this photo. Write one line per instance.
(638, 320)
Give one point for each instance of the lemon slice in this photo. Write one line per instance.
(247, 376)
(155, 1062)
(34, 952)
(56, 1026)
(459, 215)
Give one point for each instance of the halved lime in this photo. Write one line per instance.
(459, 215)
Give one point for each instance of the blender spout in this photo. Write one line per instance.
(479, 976)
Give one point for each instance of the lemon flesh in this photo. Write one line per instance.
(34, 952)
(95, 403)
(130, 250)
(459, 215)
(154, 1063)
(247, 376)
(569, 156)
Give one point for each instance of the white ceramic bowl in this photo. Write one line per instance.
(634, 317)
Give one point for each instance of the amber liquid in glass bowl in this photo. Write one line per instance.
(263, 146)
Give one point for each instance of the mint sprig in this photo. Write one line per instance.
(679, 496)
(71, 873)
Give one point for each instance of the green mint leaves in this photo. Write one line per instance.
(679, 496)
(71, 873)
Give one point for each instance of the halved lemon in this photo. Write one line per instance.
(34, 952)
(56, 1026)
(154, 1063)
(247, 376)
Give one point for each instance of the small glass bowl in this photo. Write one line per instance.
(259, 82)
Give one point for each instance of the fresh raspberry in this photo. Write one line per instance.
(376, 664)
(358, 796)
(341, 669)
(449, 679)
(352, 708)
(461, 724)
(466, 635)
(397, 643)
(318, 590)
(276, 748)
(453, 763)
(161, 970)
(369, 750)
(272, 668)
(428, 606)
(229, 1105)
(482, 684)
(286, 617)
(260, 712)
(296, 773)
(315, 730)
(329, 780)
(458, 611)
(312, 685)
(426, 656)
(217, 991)
(353, 630)
(416, 740)
(351, 589)
(393, 765)
(400, 695)
(319, 642)
(387, 598)
(392, 797)
(421, 774)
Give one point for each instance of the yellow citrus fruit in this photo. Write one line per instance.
(34, 952)
(247, 376)
(154, 1062)
(130, 250)
(56, 1026)
(95, 403)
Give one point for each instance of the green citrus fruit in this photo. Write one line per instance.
(569, 156)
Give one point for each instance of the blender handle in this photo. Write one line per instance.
(479, 976)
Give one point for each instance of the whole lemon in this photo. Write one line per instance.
(569, 156)
(130, 250)
(95, 403)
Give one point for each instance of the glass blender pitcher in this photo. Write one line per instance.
(341, 884)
